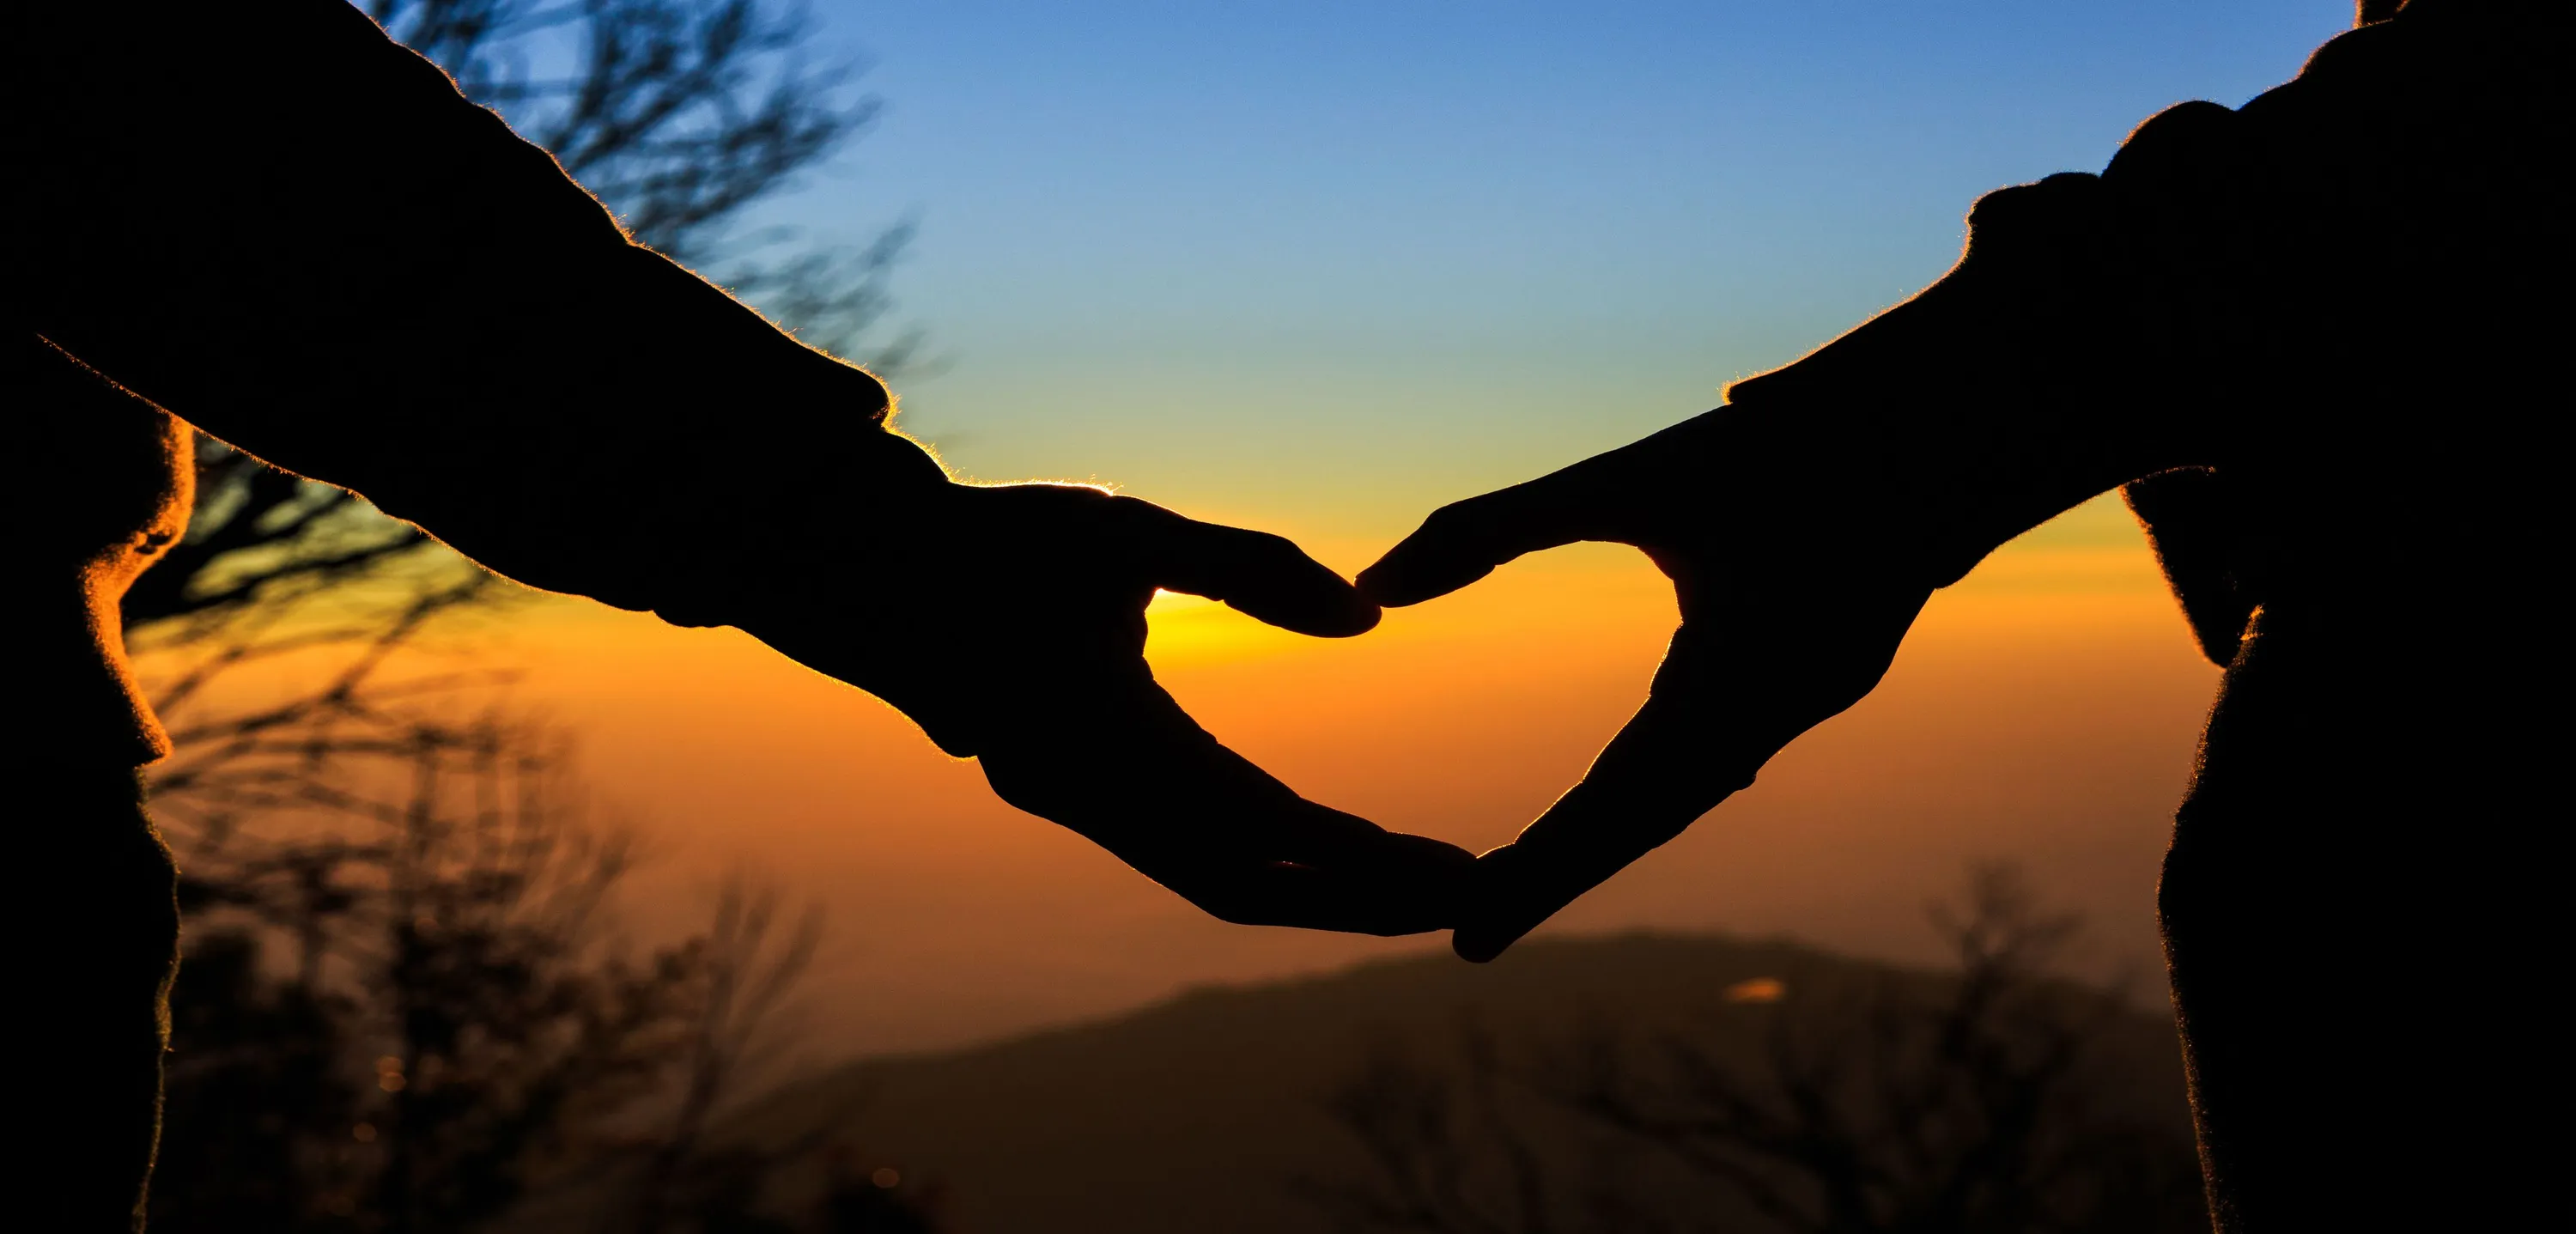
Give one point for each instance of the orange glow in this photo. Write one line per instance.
(2045, 711)
(1757, 990)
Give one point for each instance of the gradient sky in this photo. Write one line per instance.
(1325, 263)
(1318, 267)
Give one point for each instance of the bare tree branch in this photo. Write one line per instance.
(1964, 1102)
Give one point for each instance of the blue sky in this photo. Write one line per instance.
(1322, 265)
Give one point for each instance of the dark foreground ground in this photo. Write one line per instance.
(1229, 1109)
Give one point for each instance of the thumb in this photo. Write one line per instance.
(1265, 576)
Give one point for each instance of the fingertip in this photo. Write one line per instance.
(1411, 573)
(1378, 584)
(1264, 576)
(1355, 615)
(1277, 582)
(1314, 611)
(1314, 608)
(1498, 907)
(1371, 614)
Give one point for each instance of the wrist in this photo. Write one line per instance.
(732, 536)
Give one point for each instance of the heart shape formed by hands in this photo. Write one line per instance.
(1009, 622)
(1772, 642)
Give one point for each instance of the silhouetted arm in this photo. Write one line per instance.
(279, 225)
(2097, 330)
(2170, 313)
(275, 221)
(1805, 523)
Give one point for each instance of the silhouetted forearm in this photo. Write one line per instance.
(2227, 292)
(280, 225)
(2027, 380)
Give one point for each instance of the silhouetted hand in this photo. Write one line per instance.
(1009, 622)
(1791, 611)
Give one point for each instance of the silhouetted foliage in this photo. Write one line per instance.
(1962, 1103)
(406, 1006)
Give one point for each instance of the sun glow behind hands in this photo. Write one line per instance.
(2043, 709)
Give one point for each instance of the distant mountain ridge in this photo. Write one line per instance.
(1194, 1115)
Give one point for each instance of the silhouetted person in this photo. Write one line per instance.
(273, 222)
(2321, 339)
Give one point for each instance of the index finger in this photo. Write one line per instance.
(1463, 541)
(1128, 769)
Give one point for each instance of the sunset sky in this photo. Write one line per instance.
(1318, 267)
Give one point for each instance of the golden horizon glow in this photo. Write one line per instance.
(2043, 709)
